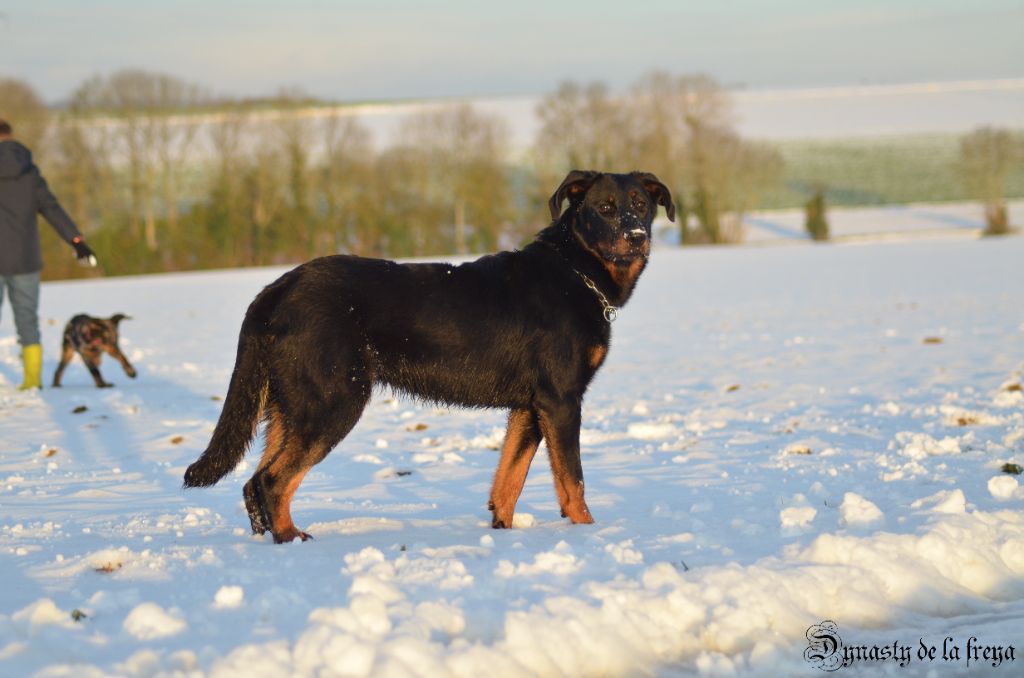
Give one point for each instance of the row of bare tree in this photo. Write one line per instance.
(163, 176)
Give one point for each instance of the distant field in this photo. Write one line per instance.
(876, 171)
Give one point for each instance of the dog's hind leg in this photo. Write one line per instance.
(291, 451)
(521, 441)
(560, 426)
(255, 505)
(268, 494)
(67, 354)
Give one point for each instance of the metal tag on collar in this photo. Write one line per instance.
(610, 312)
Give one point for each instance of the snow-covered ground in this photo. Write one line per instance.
(779, 437)
(947, 220)
(779, 114)
(773, 115)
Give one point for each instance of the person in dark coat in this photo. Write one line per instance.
(23, 195)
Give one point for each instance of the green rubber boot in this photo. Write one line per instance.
(32, 357)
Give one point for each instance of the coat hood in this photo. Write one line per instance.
(15, 159)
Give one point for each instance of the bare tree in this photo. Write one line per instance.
(669, 113)
(82, 170)
(227, 222)
(346, 169)
(463, 153)
(145, 111)
(582, 127)
(729, 176)
(24, 110)
(295, 136)
(987, 156)
(409, 215)
(685, 133)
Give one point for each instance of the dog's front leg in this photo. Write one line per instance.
(115, 353)
(93, 363)
(521, 441)
(560, 426)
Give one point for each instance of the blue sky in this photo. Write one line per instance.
(388, 49)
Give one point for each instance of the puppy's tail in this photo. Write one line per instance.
(236, 427)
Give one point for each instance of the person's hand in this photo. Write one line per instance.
(82, 251)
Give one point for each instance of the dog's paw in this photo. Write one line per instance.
(290, 535)
(501, 522)
(105, 384)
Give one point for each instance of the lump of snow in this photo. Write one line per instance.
(228, 597)
(650, 431)
(366, 559)
(1004, 487)
(796, 518)
(922, 445)
(681, 538)
(1008, 398)
(944, 501)
(856, 511)
(441, 615)
(522, 520)
(142, 663)
(889, 408)
(624, 553)
(148, 621)
(43, 612)
(559, 560)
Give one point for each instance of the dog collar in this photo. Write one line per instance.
(610, 312)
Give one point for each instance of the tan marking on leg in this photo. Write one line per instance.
(281, 524)
(570, 492)
(275, 438)
(517, 452)
(283, 468)
(596, 356)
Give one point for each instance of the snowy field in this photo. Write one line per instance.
(784, 114)
(933, 220)
(765, 114)
(780, 436)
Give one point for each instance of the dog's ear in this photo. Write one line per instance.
(118, 317)
(659, 192)
(574, 187)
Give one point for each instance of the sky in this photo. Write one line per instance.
(399, 49)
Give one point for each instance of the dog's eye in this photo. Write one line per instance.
(605, 208)
(639, 205)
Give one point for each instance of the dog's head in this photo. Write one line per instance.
(613, 212)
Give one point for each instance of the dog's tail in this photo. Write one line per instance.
(243, 405)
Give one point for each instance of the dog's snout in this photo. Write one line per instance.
(636, 236)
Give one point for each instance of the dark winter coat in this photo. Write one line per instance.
(23, 194)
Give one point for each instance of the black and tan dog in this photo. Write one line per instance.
(523, 330)
(92, 337)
